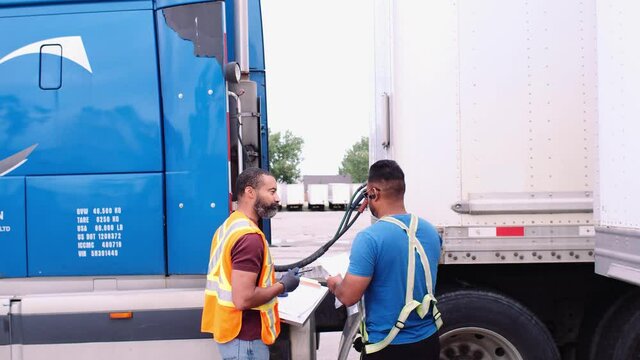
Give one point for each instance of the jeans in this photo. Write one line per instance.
(244, 350)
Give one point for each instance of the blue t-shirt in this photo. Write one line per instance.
(380, 252)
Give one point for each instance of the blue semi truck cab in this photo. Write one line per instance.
(123, 125)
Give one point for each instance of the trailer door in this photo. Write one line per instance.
(618, 210)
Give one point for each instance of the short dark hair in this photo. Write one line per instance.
(250, 177)
(390, 174)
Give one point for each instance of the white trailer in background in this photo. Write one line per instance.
(514, 129)
(353, 189)
(295, 196)
(282, 194)
(339, 195)
(317, 196)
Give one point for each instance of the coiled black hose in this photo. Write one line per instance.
(358, 203)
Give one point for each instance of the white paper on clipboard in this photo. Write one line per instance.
(298, 305)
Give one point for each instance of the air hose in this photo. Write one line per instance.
(358, 204)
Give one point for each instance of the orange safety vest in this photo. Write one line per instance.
(219, 315)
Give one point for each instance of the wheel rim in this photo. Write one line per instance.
(472, 343)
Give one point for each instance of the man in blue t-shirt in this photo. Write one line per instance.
(378, 270)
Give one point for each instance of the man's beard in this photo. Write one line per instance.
(264, 209)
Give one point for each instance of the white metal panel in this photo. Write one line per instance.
(382, 56)
(527, 98)
(318, 194)
(619, 88)
(295, 194)
(339, 193)
(112, 300)
(200, 349)
(422, 60)
(282, 193)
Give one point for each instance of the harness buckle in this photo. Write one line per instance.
(401, 324)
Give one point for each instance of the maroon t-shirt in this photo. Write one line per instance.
(246, 255)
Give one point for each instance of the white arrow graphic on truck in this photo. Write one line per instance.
(72, 49)
(15, 161)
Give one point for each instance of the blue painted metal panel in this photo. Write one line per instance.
(106, 116)
(256, 47)
(95, 225)
(51, 7)
(196, 134)
(161, 4)
(256, 42)
(13, 256)
(10, 3)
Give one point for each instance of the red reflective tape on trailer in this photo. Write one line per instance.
(510, 231)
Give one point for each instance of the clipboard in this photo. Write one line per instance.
(296, 308)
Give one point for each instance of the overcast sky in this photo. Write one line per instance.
(319, 62)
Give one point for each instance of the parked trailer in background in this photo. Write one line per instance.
(282, 194)
(317, 196)
(339, 195)
(295, 196)
(513, 129)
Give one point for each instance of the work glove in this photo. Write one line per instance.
(290, 280)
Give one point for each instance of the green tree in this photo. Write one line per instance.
(356, 161)
(285, 155)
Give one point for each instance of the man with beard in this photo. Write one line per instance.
(240, 309)
(394, 264)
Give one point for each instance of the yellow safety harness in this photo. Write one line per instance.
(422, 308)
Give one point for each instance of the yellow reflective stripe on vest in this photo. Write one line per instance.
(428, 301)
(220, 286)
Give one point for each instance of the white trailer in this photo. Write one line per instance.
(510, 124)
(317, 196)
(339, 195)
(282, 194)
(295, 196)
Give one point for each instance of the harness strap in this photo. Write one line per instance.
(428, 301)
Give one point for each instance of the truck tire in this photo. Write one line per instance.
(628, 347)
(611, 339)
(484, 325)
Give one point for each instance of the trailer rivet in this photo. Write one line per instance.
(534, 253)
(502, 258)
(559, 257)
(590, 253)
(455, 258)
(181, 205)
(473, 257)
(210, 92)
(468, 254)
(180, 96)
(521, 257)
(553, 253)
(213, 205)
(577, 256)
(497, 254)
(539, 257)
(515, 254)
(571, 253)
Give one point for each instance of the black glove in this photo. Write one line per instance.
(290, 280)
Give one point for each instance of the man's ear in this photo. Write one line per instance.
(251, 192)
(373, 194)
